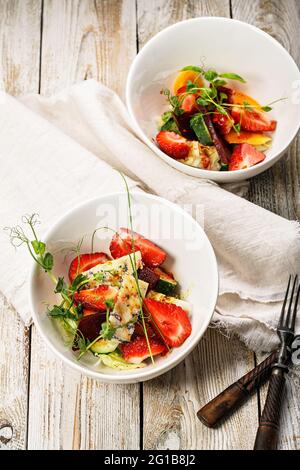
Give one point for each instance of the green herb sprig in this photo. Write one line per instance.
(36, 247)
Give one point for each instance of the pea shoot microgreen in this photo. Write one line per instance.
(36, 248)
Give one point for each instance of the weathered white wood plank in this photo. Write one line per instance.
(87, 39)
(19, 73)
(19, 45)
(171, 402)
(70, 411)
(156, 15)
(67, 411)
(278, 189)
(14, 360)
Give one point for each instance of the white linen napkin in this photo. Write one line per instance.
(58, 151)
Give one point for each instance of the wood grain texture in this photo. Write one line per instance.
(14, 359)
(70, 411)
(19, 45)
(172, 401)
(97, 39)
(82, 39)
(155, 15)
(87, 39)
(278, 189)
(19, 73)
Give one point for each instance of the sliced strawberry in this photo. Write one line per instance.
(251, 120)
(86, 261)
(189, 103)
(173, 144)
(137, 350)
(223, 122)
(121, 245)
(95, 298)
(171, 320)
(245, 156)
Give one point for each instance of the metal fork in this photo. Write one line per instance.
(267, 434)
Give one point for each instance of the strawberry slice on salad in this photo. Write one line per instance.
(172, 321)
(251, 120)
(137, 350)
(189, 103)
(173, 144)
(96, 298)
(245, 156)
(121, 245)
(84, 262)
(223, 122)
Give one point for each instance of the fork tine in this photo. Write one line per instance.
(287, 319)
(280, 323)
(295, 309)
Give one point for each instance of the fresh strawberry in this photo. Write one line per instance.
(86, 261)
(251, 120)
(223, 122)
(172, 321)
(189, 103)
(121, 245)
(173, 144)
(245, 156)
(95, 298)
(137, 350)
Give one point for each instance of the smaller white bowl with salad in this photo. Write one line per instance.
(215, 98)
(121, 299)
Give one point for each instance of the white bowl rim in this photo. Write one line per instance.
(137, 375)
(211, 173)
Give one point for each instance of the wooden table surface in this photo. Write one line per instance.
(46, 45)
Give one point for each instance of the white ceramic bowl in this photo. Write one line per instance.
(190, 257)
(227, 46)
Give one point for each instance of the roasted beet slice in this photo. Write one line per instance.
(219, 143)
(183, 124)
(147, 275)
(89, 327)
(229, 92)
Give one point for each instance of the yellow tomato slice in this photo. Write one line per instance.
(183, 77)
(241, 98)
(253, 138)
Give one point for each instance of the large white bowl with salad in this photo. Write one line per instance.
(121, 299)
(215, 98)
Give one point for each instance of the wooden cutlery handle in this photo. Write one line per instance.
(222, 405)
(235, 394)
(267, 434)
